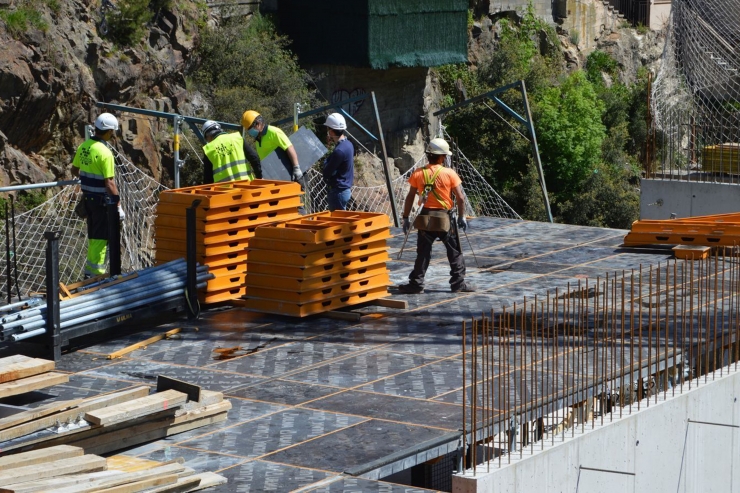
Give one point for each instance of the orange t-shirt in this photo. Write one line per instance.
(446, 180)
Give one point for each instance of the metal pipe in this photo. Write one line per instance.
(93, 307)
(50, 184)
(26, 335)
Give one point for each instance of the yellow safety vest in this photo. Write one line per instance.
(429, 180)
(226, 153)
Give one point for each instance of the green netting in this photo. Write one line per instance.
(377, 33)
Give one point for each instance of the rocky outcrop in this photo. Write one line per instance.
(51, 79)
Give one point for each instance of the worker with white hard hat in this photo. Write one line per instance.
(94, 165)
(339, 167)
(435, 185)
(226, 155)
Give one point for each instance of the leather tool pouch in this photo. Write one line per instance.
(433, 221)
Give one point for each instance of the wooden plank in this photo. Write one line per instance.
(190, 483)
(35, 382)
(89, 404)
(25, 368)
(137, 407)
(349, 316)
(390, 303)
(166, 470)
(80, 292)
(38, 456)
(144, 485)
(167, 383)
(39, 412)
(58, 482)
(85, 463)
(142, 344)
(64, 292)
(208, 480)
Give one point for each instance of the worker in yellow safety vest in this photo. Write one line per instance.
(435, 184)
(94, 165)
(226, 156)
(268, 138)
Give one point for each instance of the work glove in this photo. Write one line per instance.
(121, 214)
(297, 174)
(406, 225)
(462, 223)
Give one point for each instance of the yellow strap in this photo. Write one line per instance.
(429, 182)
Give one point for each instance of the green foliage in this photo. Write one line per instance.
(598, 63)
(54, 5)
(128, 23)
(607, 198)
(570, 132)
(642, 28)
(448, 77)
(25, 16)
(575, 37)
(248, 66)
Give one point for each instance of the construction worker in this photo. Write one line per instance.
(268, 138)
(94, 165)
(339, 167)
(435, 184)
(226, 156)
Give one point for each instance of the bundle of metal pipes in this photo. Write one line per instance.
(152, 285)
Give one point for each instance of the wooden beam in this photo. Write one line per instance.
(25, 367)
(38, 456)
(35, 382)
(190, 483)
(138, 407)
(101, 484)
(142, 344)
(58, 482)
(144, 485)
(85, 463)
(391, 303)
(89, 404)
(39, 412)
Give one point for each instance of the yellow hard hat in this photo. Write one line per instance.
(248, 118)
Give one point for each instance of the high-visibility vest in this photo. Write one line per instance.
(94, 160)
(226, 153)
(429, 179)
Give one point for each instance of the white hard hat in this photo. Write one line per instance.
(210, 126)
(335, 121)
(106, 121)
(439, 146)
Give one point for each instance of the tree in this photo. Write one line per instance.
(570, 133)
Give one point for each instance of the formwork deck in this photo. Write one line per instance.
(328, 405)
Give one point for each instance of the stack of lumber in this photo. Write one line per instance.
(225, 221)
(67, 469)
(110, 422)
(21, 374)
(722, 158)
(318, 263)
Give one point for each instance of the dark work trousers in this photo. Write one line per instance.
(424, 244)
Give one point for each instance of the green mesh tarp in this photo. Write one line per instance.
(377, 33)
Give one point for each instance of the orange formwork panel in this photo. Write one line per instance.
(202, 214)
(229, 270)
(322, 293)
(245, 231)
(220, 225)
(314, 307)
(269, 281)
(226, 282)
(675, 231)
(227, 294)
(258, 243)
(305, 272)
(316, 258)
(326, 226)
(231, 193)
(206, 251)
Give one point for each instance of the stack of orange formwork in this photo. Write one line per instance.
(318, 263)
(226, 219)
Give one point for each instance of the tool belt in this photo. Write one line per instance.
(434, 220)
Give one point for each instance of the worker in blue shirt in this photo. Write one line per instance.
(339, 167)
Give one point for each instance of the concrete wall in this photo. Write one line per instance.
(660, 10)
(658, 447)
(660, 198)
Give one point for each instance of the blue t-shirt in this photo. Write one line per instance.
(339, 167)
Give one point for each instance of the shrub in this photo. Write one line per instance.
(128, 22)
(26, 15)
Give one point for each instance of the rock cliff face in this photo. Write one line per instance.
(51, 79)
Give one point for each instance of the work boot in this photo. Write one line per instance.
(410, 288)
(463, 288)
